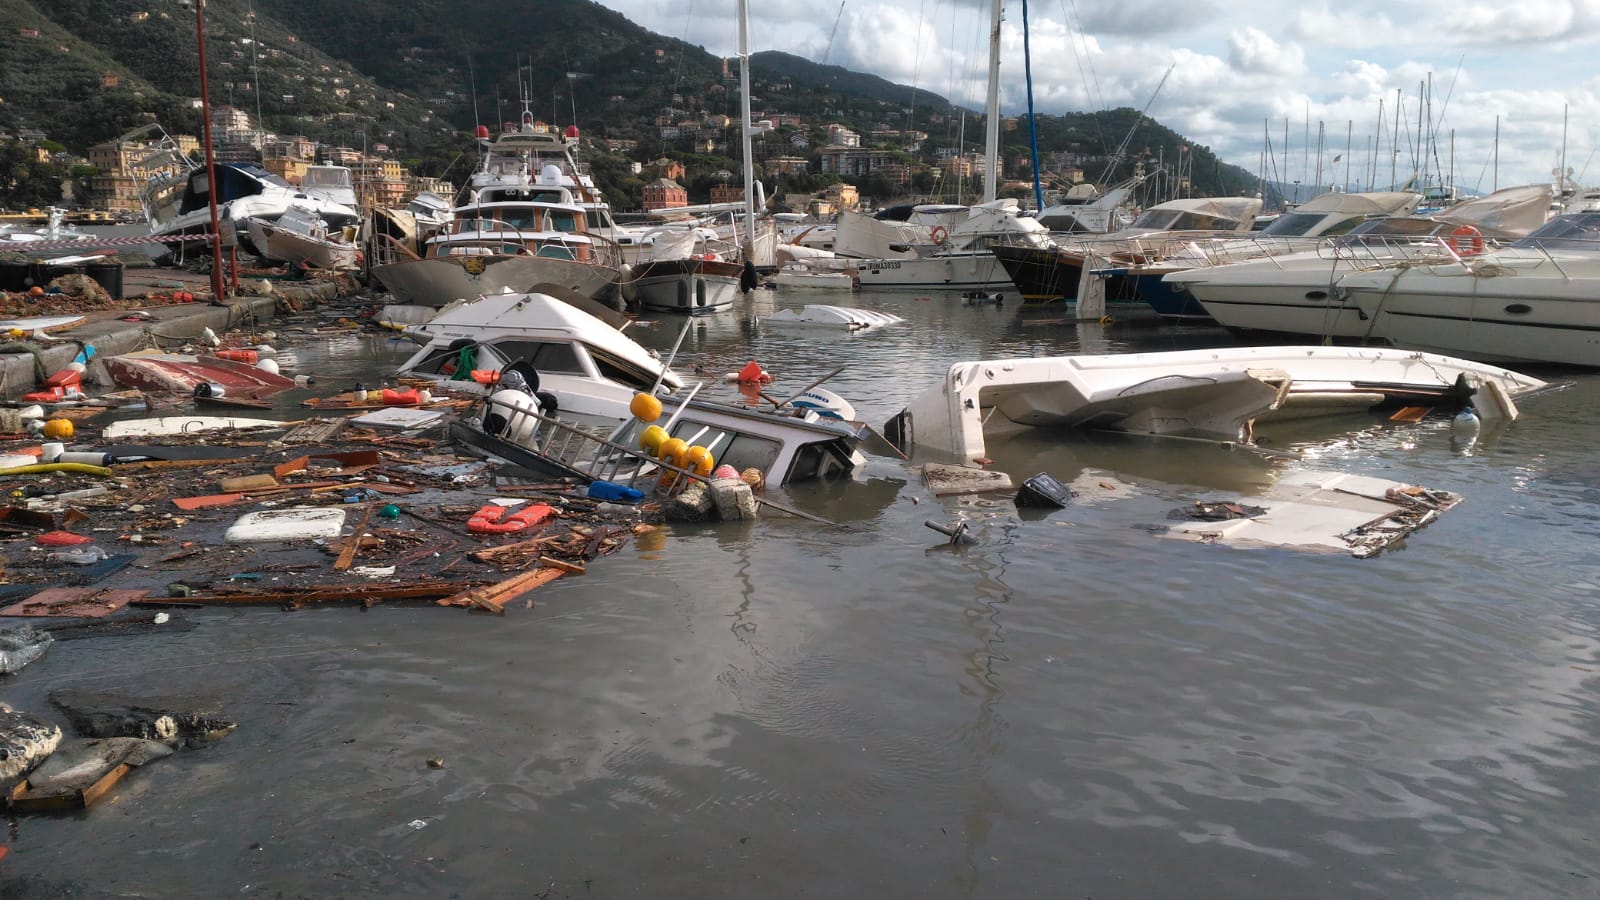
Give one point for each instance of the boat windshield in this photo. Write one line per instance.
(1578, 231)
(729, 447)
(1293, 224)
(1183, 220)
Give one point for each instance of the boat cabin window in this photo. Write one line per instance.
(1578, 231)
(521, 220)
(731, 448)
(1293, 224)
(545, 356)
(820, 461)
(1181, 220)
(555, 251)
(621, 372)
(563, 220)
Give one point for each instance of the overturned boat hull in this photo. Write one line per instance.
(180, 373)
(1214, 394)
(692, 286)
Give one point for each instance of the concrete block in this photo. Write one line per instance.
(734, 499)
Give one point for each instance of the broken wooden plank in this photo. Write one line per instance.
(84, 603)
(551, 562)
(490, 554)
(191, 504)
(495, 596)
(26, 801)
(337, 593)
(348, 554)
(1410, 414)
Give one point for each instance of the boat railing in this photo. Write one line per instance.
(595, 456)
(388, 249)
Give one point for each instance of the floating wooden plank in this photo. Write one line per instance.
(550, 562)
(24, 800)
(1410, 414)
(83, 603)
(348, 554)
(495, 597)
(315, 430)
(366, 593)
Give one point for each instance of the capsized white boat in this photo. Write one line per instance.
(574, 344)
(300, 235)
(167, 426)
(824, 316)
(1213, 393)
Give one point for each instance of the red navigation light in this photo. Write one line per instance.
(483, 131)
(572, 132)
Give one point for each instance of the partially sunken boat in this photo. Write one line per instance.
(182, 373)
(1217, 394)
(794, 443)
(575, 345)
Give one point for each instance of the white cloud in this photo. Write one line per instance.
(1236, 65)
(1250, 50)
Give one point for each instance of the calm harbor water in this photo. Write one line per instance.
(1072, 707)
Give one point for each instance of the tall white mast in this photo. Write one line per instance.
(745, 125)
(991, 147)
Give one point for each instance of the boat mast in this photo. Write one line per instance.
(991, 149)
(745, 125)
(1033, 120)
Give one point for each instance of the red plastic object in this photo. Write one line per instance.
(492, 518)
(62, 539)
(245, 356)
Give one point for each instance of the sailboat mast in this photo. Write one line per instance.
(1033, 120)
(991, 143)
(744, 125)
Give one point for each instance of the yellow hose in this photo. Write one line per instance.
(40, 468)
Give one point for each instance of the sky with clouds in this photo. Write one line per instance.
(1235, 65)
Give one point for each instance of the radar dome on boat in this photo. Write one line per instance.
(550, 174)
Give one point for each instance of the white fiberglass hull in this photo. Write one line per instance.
(280, 245)
(436, 281)
(1215, 394)
(963, 272)
(1511, 308)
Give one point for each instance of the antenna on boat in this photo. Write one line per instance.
(802, 391)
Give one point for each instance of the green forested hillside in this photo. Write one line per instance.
(419, 75)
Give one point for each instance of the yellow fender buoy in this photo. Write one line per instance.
(645, 407)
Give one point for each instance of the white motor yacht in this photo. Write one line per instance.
(574, 344)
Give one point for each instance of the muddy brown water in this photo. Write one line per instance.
(1071, 707)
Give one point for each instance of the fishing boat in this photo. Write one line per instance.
(687, 272)
(300, 235)
(182, 373)
(1215, 393)
(575, 345)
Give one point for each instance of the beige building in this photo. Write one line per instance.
(842, 196)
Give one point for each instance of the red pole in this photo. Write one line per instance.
(211, 159)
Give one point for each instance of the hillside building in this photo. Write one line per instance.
(664, 193)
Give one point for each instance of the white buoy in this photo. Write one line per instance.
(1465, 423)
(268, 365)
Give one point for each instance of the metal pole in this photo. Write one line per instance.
(211, 159)
(1033, 121)
(744, 128)
(991, 149)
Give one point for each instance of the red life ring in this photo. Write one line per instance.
(1466, 240)
(940, 234)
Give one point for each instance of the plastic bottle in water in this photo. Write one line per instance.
(80, 556)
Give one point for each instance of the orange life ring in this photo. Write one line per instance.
(940, 234)
(1466, 240)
